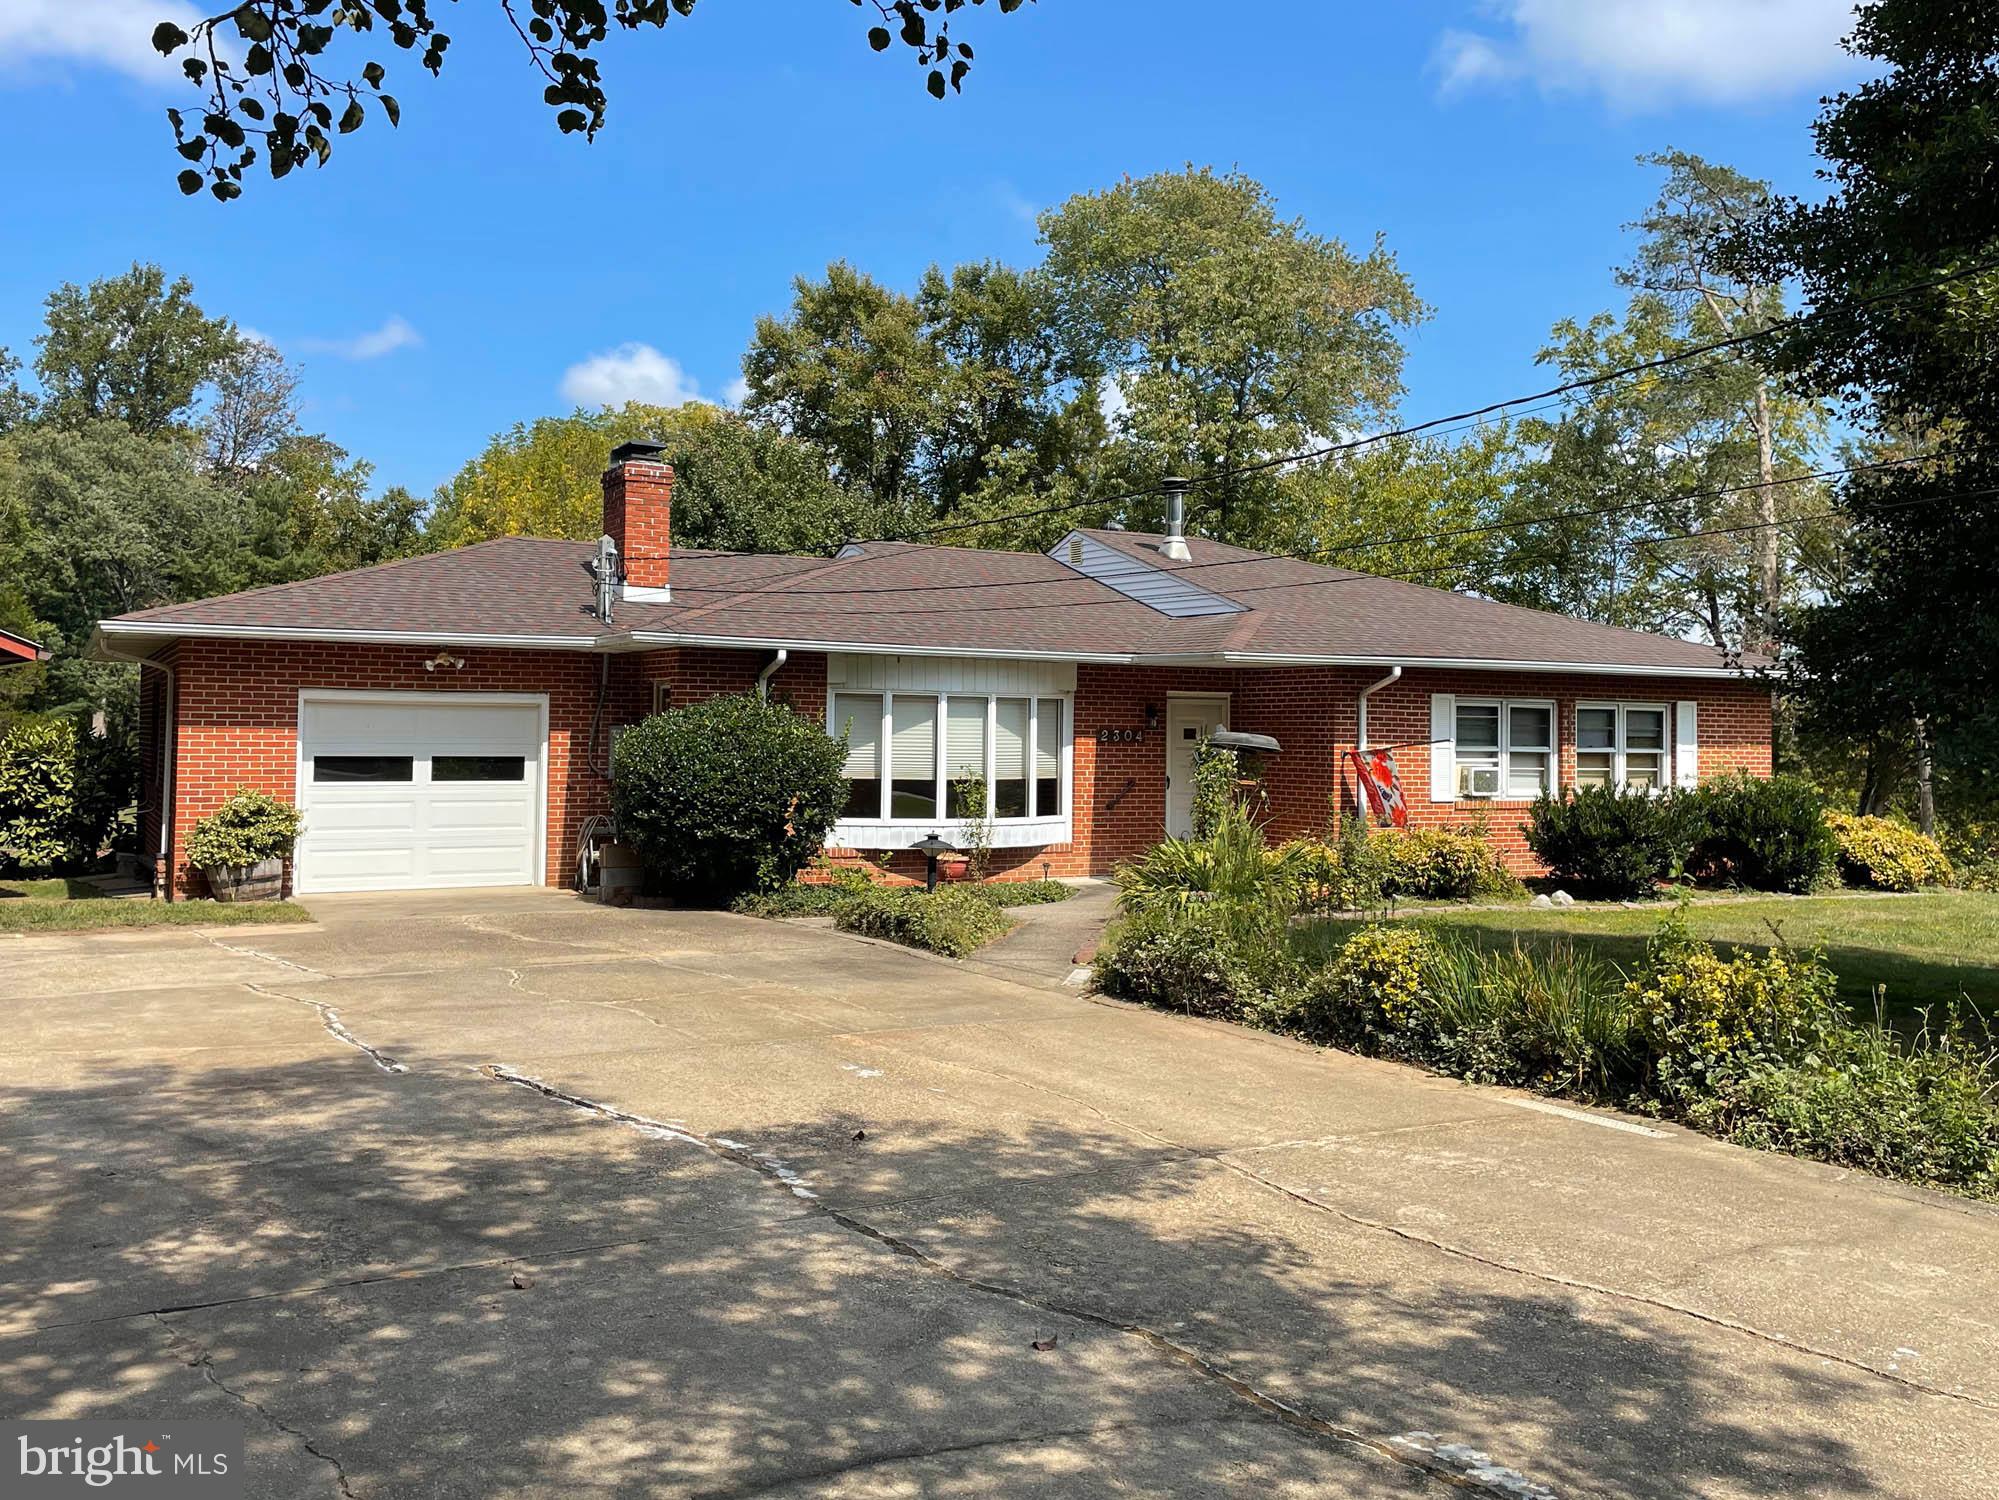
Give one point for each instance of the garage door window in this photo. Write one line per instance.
(362, 767)
(478, 768)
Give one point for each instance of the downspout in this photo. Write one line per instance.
(1360, 728)
(763, 678)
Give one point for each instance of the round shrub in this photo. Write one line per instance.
(1769, 835)
(725, 797)
(248, 827)
(1436, 864)
(1887, 855)
(1609, 842)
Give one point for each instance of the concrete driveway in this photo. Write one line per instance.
(510, 1196)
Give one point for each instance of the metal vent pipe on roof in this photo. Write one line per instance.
(1175, 545)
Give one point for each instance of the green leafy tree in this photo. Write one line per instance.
(1901, 267)
(1710, 443)
(134, 349)
(16, 405)
(309, 513)
(278, 86)
(1228, 334)
(737, 486)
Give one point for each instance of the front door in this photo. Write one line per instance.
(1188, 722)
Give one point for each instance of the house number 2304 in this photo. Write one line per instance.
(1119, 736)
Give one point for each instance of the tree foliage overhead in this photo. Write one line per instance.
(278, 78)
(738, 487)
(1901, 266)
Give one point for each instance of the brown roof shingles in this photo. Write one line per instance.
(905, 596)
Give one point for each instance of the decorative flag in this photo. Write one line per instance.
(1380, 786)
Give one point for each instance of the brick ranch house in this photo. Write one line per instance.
(446, 720)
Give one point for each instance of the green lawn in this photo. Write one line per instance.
(1926, 948)
(72, 906)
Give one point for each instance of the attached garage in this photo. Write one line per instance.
(410, 791)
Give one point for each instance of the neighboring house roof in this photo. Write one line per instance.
(918, 599)
(15, 649)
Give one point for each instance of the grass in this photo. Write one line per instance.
(61, 905)
(1927, 949)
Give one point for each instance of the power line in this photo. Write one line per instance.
(1566, 388)
(1328, 553)
(1405, 575)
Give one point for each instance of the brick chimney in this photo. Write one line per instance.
(638, 504)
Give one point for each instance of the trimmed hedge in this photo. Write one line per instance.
(1769, 835)
(1609, 842)
(726, 796)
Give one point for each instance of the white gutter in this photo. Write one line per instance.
(641, 639)
(1360, 727)
(770, 670)
(170, 630)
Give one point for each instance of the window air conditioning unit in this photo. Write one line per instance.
(1478, 781)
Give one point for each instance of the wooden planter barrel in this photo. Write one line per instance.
(263, 881)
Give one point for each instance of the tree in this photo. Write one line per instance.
(132, 348)
(16, 405)
(950, 399)
(310, 514)
(254, 410)
(1708, 443)
(737, 486)
(1901, 267)
(1229, 334)
(271, 86)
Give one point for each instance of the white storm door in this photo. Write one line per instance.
(410, 791)
(1188, 722)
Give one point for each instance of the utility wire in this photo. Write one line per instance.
(1324, 554)
(1408, 574)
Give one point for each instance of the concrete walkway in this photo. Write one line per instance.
(513, 1196)
(1052, 944)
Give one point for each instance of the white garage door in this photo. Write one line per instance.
(413, 790)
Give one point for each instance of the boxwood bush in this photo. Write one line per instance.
(727, 796)
(1609, 842)
(1769, 835)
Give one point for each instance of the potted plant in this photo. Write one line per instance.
(242, 846)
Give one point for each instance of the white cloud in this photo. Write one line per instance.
(394, 334)
(630, 372)
(737, 391)
(1648, 52)
(112, 33)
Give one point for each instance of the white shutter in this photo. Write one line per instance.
(1010, 740)
(1443, 747)
(1686, 743)
(860, 715)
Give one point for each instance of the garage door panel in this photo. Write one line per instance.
(468, 814)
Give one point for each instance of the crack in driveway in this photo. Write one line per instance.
(1287, 1413)
(201, 1360)
(335, 1027)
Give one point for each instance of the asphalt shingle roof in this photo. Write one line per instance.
(906, 596)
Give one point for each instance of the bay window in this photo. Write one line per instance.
(911, 755)
(1504, 749)
(1621, 744)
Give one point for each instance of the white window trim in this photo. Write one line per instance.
(1553, 749)
(1038, 828)
(1619, 747)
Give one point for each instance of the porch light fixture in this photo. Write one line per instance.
(445, 659)
(930, 846)
(1152, 716)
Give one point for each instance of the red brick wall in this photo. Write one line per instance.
(638, 511)
(238, 725)
(238, 722)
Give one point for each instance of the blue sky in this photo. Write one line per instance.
(474, 268)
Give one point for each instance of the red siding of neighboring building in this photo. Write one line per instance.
(237, 725)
